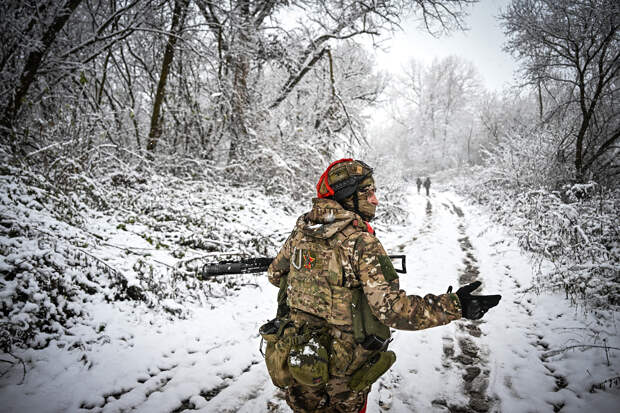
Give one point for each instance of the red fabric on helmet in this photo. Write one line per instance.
(330, 191)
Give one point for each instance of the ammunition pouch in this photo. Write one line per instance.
(372, 335)
(368, 331)
(278, 334)
(308, 360)
(371, 370)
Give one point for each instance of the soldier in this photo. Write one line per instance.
(418, 183)
(427, 185)
(343, 294)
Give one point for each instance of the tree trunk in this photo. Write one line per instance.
(175, 27)
(540, 102)
(579, 150)
(240, 97)
(240, 102)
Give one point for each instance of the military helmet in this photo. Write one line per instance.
(342, 178)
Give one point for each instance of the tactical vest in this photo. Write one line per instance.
(321, 280)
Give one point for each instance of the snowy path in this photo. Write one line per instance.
(211, 362)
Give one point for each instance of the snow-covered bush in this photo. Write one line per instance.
(576, 229)
(526, 158)
(393, 204)
(46, 274)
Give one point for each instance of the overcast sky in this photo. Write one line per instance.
(481, 44)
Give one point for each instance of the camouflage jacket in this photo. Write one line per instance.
(364, 263)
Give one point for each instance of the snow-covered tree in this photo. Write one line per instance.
(295, 36)
(571, 49)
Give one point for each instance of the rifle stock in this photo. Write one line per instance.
(253, 265)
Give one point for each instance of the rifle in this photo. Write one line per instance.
(252, 265)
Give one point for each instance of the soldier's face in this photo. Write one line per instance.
(367, 199)
(367, 190)
(367, 208)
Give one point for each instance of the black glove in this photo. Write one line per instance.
(474, 307)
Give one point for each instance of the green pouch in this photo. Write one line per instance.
(371, 370)
(367, 329)
(372, 325)
(308, 360)
(277, 333)
(356, 314)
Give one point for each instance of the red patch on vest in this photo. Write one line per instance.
(308, 261)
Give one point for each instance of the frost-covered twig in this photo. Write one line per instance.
(12, 363)
(612, 381)
(552, 353)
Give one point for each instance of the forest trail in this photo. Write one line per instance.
(211, 362)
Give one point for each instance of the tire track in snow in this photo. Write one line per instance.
(467, 355)
(426, 227)
(522, 317)
(428, 223)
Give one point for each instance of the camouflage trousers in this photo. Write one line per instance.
(345, 357)
(335, 397)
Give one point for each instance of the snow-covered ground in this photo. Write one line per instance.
(532, 353)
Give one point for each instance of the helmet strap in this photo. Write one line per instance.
(356, 204)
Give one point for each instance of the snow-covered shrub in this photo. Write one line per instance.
(576, 229)
(194, 222)
(526, 159)
(49, 265)
(393, 203)
(580, 238)
(46, 275)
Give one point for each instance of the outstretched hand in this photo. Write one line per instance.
(474, 307)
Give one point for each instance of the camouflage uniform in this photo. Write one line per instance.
(326, 300)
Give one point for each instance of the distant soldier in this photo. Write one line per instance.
(418, 183)
(427, 185)
(339, 296)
